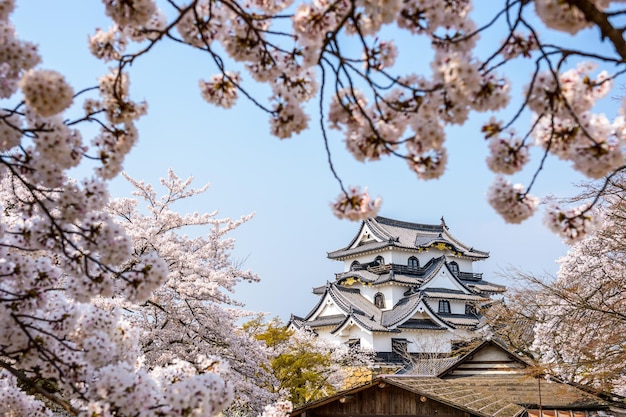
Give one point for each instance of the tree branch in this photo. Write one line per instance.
(601, 20)
(25, 380)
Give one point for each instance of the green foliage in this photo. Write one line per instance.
(304, 369)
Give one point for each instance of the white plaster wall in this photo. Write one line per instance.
(419, 341)
(457, 307)
(428, 341)
(325, 335)
(465, 265)
(433, 341)
(392, 293)
(443, 279)
(396, 293)
(382, 342)
(402, 257)
(328, 308)
(352, 332)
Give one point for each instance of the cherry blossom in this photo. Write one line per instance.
(356, 205)
(46, 92)
(67, 261)
(221, 90)
(194, 314)
(512, 201)
(508, 154)
(572, 224)
(130, 12)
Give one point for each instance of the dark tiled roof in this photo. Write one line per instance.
(477, 403)
(394, 233)
(421, 324)
(324, 321)
(357, 307)
(484, 287)
(296, 321)
(401, 311)
(460, 319)
(410, 280)
(451, 294)
(530, 392)
(361, 274)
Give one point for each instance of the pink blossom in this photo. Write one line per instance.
(356, 205)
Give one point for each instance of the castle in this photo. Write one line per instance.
(406, 289)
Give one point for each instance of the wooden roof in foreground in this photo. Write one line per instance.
(489, 381)
(481, 396)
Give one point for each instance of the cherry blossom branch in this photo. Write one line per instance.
(26, 381)
(600, 19)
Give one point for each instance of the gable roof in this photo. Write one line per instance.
(488, 358)
(433, 388)
(356, 309)
(486, 395)
(386, 233)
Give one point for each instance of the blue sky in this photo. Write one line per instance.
(288, 183)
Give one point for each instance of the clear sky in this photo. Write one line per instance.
(288, 183)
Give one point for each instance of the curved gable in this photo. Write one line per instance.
(442, 277)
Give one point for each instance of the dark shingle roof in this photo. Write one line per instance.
(478, 403)
(333, 320)
(451, 294)
(460, 319)
(401, 311)
(413, 236)
(484, 287)
(421, 324)
(357, 307)
(530, 392)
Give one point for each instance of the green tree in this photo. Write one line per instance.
(305, 367)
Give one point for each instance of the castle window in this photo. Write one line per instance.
(413, 263)
(379, 300)
(470, 309)
(444, 306)
(354, 266)
(354, 343)
(454, 268)
(380, 260)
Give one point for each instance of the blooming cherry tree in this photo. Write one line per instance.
(193, 314)
(384, 110)
(61, 249)
(574, 325)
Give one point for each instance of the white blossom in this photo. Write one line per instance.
(512, 202)
(356, 205)
(46, 92)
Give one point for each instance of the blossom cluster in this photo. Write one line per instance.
(279, 409)
(580, 332)
(380, 113)
(511, 201)
(67, 262)
(15, 402)
(195, 317)
(356, 205)
(572, 224)
(63, 258)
